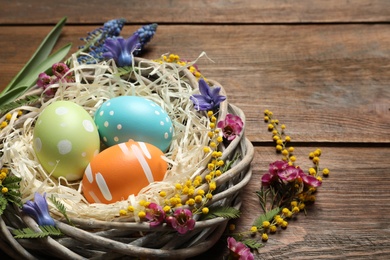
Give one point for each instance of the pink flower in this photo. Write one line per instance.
(238, 250)
(44, 81)
(285, 172)
(60, 73)
(289, 173)
(280, 170)
(267, 179)
(181, 220)
(273, 172)
(59, 69)
(309, 180)
(155, 214)
(231, 126)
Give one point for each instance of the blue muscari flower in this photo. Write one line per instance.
(208, 98)
(114, 27)
(121, 50)
(110, 29)
(39, 210)
(145, 34)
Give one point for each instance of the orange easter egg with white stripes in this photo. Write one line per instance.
(122, 170)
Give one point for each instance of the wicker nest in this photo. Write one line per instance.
(97, 231)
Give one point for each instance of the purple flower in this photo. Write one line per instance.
(95, 41)
(39, 210)
(181, 220)
(121, 50)
(231, 126)
(208, 98)
(238, 250)
(155, 214)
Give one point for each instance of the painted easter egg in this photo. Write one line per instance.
(121, 170)
(130, 117)
(65, 139)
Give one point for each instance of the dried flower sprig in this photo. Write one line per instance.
(174, 58)
(8, 117)
(285, 189)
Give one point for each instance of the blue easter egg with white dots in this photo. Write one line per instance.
(130, 117)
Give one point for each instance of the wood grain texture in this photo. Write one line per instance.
(322, 67)
(348, 219)
(327, 83)
(181, 11)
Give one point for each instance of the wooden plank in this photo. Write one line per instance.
(348, 219)
(179, 11)
(336, 76)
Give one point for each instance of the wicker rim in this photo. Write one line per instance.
(104, 235)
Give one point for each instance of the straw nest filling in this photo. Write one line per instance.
(167, 84)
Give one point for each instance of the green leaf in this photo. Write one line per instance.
(38, 57)
(30, 233)
(61, 207)
(224, 212)
(13, 186)
(30, 79)
(11, 179)
(28, 100)
(32, 76)
(12, 94)
(13, 192)
(268, 216)
(229, 164)
(124, 70)
(13, 195)
(252, 244)
(3, 204)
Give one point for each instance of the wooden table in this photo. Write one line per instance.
(322, 67)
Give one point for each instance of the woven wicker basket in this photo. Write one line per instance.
(98, 239)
